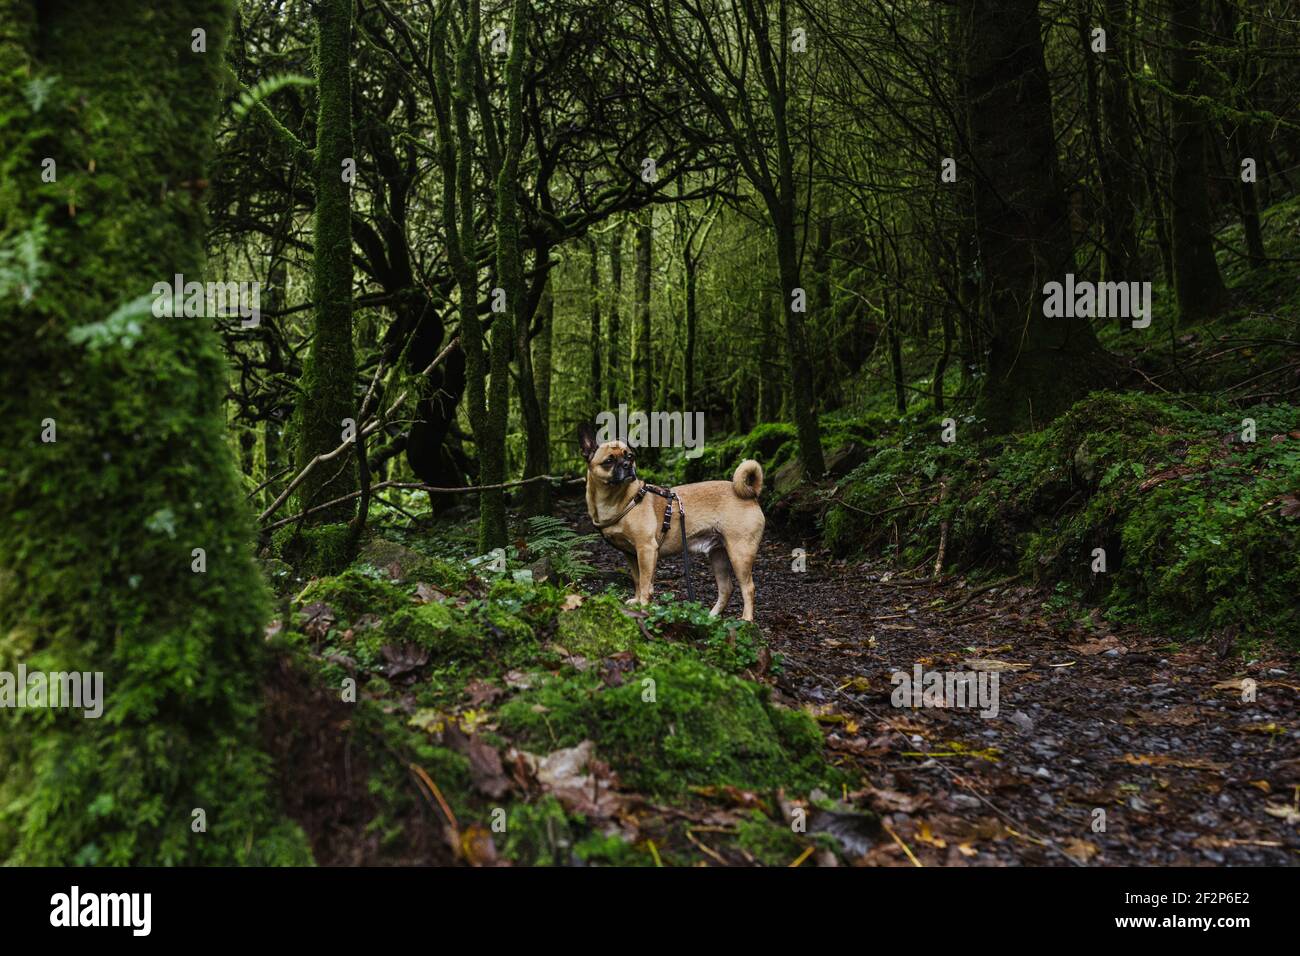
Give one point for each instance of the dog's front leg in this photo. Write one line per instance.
(646, 556)
(636, 579)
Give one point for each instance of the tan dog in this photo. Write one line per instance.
(723, 519)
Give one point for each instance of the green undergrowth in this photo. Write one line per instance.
(670, 697)
(771, 444)
(1199, 527)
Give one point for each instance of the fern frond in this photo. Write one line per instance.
(264, 89)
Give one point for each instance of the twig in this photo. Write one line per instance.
(365, 429)
(416, 486)
(798, 861)
(980, 590)
(899, 840)
(279, 474)
(943, 532)
(433, 788)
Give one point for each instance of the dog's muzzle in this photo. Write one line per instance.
(623, 472)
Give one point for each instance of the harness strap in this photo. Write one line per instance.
(636, 500)
(672, 496)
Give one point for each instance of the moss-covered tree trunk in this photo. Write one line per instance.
(596, 374)
(535, 498)
(328, 375)
(101, 522)
(644, 383)
(507, 325)
(543, 367)
(1198, 284)
(1037, 366)
(644, 344)
(616, 387)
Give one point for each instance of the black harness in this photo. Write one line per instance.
(671, 496)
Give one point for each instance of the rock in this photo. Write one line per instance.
(543, 570)
(844, 459)
(787, 477)
(1022, 721)
(384, 554)
(1085, 463)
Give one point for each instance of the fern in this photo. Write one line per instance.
(264, 89)
(551, 538)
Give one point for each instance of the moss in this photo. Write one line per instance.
(539, 834)
(323, 549)
(99, 525)
(412, 565)
(1190, 517)
(355, 592)
(770, 843)
(598, 628)
(434, 627)
(329, 371)
(599, 850)
(673, 726)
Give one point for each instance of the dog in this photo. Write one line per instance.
(723, 519)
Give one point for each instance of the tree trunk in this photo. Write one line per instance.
(1198, 284)
(803, 399)
(771, 369)
(688, 379)
(644, 358)
(1116, 160)
(615, 295)
(511, 326)
(98, 571)
(1037, 367)
(1241, 136)
(597, 365)
(330, 369)
(536, 498)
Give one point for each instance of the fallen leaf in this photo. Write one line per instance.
(1288, 815)
(1081, 850)
(481, 692)
(318, 619)
(427, 594)
(1165, 760)
(992, 666)
(476, 846)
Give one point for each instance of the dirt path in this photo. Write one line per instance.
(1088, 720)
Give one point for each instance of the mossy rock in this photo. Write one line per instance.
(411, 565)
(673, 726)
(599, 627)
(356, 592)
(315, 550)
(436, 627)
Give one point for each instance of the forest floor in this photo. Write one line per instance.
(1109, 746)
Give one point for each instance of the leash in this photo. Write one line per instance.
(671, 496)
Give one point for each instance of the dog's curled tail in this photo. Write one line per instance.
(747, 482)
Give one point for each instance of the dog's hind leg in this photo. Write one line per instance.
(742, 564)
(722, 575)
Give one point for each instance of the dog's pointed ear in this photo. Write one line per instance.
(587, 440)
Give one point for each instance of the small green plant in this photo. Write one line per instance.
(551, 538)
